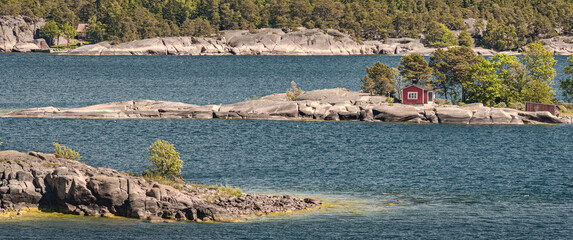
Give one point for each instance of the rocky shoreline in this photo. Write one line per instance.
(18, 34)
(327, 104)
(262, 42)
(38, 180)
(269, 41)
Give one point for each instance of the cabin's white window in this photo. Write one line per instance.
(412, 95)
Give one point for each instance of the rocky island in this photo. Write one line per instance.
(326, 104)
(38, 180)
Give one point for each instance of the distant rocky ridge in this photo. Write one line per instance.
(38, 180)
(18, 35)
(327, 104)
(559, 45)
(276, 42)
(263, 42)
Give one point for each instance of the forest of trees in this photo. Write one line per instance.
(511, 24)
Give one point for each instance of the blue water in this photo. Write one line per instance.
(32, 80)
(378, 180)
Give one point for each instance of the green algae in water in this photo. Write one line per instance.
(35, 215)
(334, 205)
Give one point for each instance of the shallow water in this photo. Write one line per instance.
(378, 180)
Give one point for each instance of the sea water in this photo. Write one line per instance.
(377, 180)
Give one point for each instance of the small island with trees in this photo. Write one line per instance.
(31, 182)
(483, 91)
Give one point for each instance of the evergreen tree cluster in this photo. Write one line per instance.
(510, 23)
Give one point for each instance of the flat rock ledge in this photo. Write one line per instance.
(327, 104)
(37, 180)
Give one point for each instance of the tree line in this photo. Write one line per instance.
(462, 76)
(502, 24)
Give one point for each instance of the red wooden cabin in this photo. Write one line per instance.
(537, 107)
(416, 94)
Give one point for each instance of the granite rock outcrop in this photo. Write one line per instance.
(266, 41)
(326, 104)
(17, 33)
(38, 180)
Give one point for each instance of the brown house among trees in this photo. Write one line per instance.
(538, 107)
(82, 31)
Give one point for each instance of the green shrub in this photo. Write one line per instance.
(62, 151)
(49, 31)
(293, 92)
(225, 191)
(230, 191)
(164, 160)
(461, 104)
(440, 101)
(175, 182)
(389, 100)
(566, 109)
(0, 146)
(500, 105)
(517, 105)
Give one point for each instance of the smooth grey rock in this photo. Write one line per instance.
(499, 116)
(431, 116)
(539, 117)
(481, 115)
(25, 47)
(366, 114)
(453, 115)
(263, 109)
(472, 106)
(396, 113)
(17, 33)
(331, 96)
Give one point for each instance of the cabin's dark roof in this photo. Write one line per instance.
(82, 27)
(420, 87)
(541, 104)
